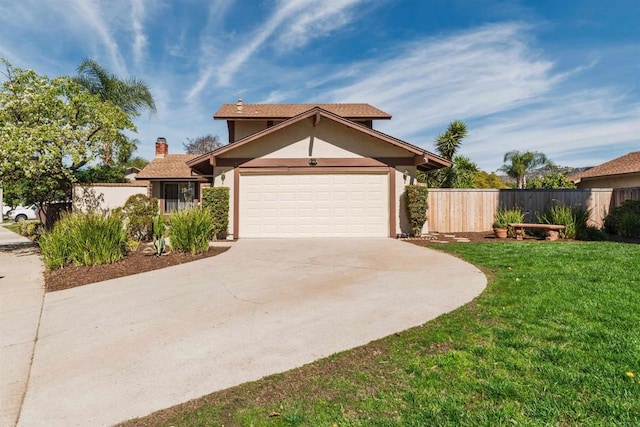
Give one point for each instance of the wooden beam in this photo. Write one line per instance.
(392, 202)
(212, 161)
(316, 119)
(236, 202)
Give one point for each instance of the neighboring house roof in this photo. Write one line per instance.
(629, 163)
(286, 111)
(172, 166)
(429, 161)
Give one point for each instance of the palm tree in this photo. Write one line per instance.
(448, 143)
(131, 94)
(517, 164)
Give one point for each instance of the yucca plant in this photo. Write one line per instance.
(573, 218)
(191, 230)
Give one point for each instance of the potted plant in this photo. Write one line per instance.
(500, 224)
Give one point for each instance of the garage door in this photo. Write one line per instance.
(322, 205)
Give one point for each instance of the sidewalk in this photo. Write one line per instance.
(21, 297)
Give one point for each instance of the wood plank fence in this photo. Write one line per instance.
(473, 210)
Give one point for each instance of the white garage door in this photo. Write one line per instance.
(323, 205)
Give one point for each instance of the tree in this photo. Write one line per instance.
(132, 95)
(460, 175)
(517, 164)
(51, 128)
(482, 179)
(551, 180)
(202, 144)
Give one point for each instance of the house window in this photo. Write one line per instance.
(179, 196)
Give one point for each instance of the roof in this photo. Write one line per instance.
(286, 111)
(170, 166)
(629, 163)
(431, 161)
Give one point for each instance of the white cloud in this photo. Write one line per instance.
(139, 39)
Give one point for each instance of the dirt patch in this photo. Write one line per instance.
(463, 237)
(133, 263)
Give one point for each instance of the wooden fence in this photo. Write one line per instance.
(460, 210)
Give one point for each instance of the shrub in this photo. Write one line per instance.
(190, 230)
(216, 201)
(504, 217)
(612, 220)
(592, 233)
(629, 224)
(573, 218)
(84, 239)
(139, 211)
(417, 206)
(32, 230)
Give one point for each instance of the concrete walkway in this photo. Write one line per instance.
(21, 296)
(119, 349)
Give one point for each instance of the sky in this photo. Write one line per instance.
(560, 77)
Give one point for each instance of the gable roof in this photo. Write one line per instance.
(629, 163)
(287, 111)
(431, 161)
(168, 167)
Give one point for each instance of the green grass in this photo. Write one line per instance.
(548, 343)
(13, 227)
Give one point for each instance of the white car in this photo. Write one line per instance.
(5, 210)
(20, 213)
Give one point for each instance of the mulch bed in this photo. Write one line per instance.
(133, 263)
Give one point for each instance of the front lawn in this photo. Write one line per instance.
(554, 340)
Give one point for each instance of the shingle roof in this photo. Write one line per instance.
(286, 111)
(171, 166)
(629, 163)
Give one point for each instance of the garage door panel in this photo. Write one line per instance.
(305, 205)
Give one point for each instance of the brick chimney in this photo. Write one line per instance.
(162, 148)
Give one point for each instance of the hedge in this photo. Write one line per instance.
(216, 201)
(417, 205)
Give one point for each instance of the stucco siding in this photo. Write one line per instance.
(244, 128)
(107, 196)
(327, 140)
(621, 181)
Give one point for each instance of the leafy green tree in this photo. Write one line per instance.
(463, 172)
(551, 180)
(100, 173)
(202, 144)
(482, 179)
(517, 164)
(51, 128)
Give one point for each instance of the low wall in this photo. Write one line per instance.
(105, 196)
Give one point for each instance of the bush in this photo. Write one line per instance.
(32, 230)
(417, 206)
(612, 221)
(190, 230)
(139, 211)
(84, 239)
(629, 225)
(216, 201)
(504, 217)
(573, 218)
(592, 233)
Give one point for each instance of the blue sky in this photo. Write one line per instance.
(561, 77)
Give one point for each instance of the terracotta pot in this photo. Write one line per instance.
(500, 233)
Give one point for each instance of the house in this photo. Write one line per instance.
(623, 172)
(171, 181)
(300, 170)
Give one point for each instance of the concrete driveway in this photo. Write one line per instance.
(124, 348)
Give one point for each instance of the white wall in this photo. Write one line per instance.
(109, 196)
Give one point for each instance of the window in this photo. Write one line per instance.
(179, 196)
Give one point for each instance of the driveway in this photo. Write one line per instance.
(124, 348)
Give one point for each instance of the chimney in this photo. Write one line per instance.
(162, 148)
(239, 105)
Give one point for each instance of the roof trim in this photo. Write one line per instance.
(428, 156)
(245, 113)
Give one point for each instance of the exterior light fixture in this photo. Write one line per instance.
(405, 175)
(222, 177)
(313, 162)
